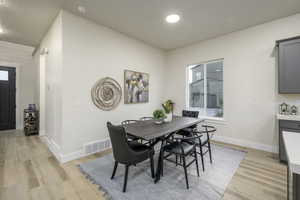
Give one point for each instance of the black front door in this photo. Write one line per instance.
(7, 98)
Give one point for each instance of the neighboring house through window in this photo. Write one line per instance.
(205, 88)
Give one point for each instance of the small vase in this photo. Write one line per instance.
(169, 117)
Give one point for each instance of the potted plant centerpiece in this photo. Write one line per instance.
(168, 107)
(159, 116)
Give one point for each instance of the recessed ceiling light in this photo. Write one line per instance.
(174, 18)
(81, 9)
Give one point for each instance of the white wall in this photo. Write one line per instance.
(250, 80)
(81, 52)
(92, 52)
(20, 57)
(52, 82)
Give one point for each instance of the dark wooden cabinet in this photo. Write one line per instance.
(31, 122)
(289, 66)
(286, 125)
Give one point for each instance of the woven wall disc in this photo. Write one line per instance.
(106, 94)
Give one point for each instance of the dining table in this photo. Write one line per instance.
(152, 131)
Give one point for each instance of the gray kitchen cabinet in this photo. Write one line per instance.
(289, 66)
(286, 125)
(293, 185)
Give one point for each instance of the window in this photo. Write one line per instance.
(205, 88)
(3, 75)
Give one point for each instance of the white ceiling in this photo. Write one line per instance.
(26, 21)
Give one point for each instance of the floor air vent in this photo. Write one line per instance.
(96, 146)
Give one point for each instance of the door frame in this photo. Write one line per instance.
(18, 107)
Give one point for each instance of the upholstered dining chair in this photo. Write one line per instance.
(182, 147)
(190, 113)
(146, 118)
(130, 137)
(187, 131)
(130, 121)
(128, 153)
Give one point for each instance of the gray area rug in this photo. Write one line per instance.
(210, 185)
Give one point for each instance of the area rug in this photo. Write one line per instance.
(210, 185)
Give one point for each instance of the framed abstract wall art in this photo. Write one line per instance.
(136, 87)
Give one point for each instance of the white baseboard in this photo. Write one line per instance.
(56, 150)
(53, 147)
(72, 156)
(82, 152)
(245, 143)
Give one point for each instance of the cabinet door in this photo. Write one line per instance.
(289, 66)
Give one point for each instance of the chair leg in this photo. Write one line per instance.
(196, 158)
(162, 164)
(185, 172)
(125, 178)
(114, 171)
(176, 159)
(152, 166)
(202, 159)
(209, 150)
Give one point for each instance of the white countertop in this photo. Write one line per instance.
(292, 147)
(288, 117)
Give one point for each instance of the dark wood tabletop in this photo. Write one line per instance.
(148, 130)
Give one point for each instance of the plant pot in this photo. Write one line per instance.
(169, 117)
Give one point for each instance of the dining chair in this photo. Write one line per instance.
(130, 137)
(187, 131)
(130, 121)
(204, 142)
(182, 147)
(128, 153)
(146, 118)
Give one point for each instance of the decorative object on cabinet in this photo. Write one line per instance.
(31, 121)
(283, 108)
(106, 94)
(136, 87)
(32, 107)
(294, 110)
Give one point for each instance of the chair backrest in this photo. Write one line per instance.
(189, 113)
(121, 150)
(191, 139)
(210, 130)
(129, 122)
(146, 118)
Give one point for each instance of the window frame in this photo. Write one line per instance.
(187, 88)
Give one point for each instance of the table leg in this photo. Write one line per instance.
(160, 158)
(159, 163)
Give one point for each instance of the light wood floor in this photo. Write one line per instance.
(28, 171)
